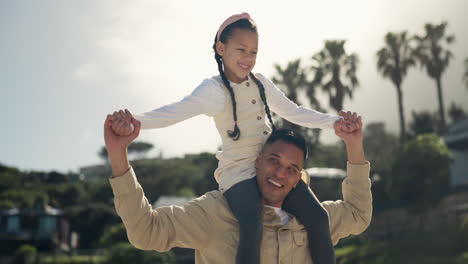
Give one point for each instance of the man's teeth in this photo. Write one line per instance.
(275, 183)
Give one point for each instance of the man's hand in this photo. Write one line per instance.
(349, 129)
(117, 145)
(353, 140)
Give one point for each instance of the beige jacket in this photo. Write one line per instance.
(207, 225)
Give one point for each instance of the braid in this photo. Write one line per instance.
(246, 24)
(261, 89)
(235, 134)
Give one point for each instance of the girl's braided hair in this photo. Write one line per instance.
(225, 35)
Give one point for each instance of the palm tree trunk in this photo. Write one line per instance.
(402, 114)
(441, 106)
(337, 100)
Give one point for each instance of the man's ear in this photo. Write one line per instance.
(257, 160)
(220, 48)
(297, 181)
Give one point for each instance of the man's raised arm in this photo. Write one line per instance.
(354, 213)
(159, 229)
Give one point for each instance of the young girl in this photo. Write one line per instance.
(240, 101)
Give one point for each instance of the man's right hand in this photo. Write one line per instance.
(122, 123)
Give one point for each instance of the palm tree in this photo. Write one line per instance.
(393, 61)
(435, 58)
(102, 153)
(331, 66)
(292, 79)
(465, 76)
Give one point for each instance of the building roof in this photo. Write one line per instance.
(326, 173)
(38, 210)
(457, 136)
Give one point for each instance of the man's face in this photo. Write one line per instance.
(279, 169)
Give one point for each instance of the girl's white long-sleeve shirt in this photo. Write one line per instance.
(211, 98)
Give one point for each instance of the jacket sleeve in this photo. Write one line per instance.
(287, 109)
(354, 213)
(207, 98)
(162, 228)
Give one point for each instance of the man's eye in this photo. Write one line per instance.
(293, 170)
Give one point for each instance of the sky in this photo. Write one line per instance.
(64, 65)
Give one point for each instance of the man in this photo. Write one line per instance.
(207, 224)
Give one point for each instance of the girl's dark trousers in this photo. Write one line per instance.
(245, 202)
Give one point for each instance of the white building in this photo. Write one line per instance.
(457, 141)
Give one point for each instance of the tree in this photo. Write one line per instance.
(102, 153)
(112, 235)
(331, 67)
(435, 57)
(456, 113)
(420, 172)
(9, 178)
(423, 122)
(90, 221)
(292, 79)
(140, 148)
(24, 198)
(393, 61)
(381, 148)
(67, 194)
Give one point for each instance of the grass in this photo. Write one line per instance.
(75, 259)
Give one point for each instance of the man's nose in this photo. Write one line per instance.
(280, 172)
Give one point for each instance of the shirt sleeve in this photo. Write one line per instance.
(354, 213)
(162, 228)
(207, 98)
(287, 109)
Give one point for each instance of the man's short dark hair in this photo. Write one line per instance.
(289, 136)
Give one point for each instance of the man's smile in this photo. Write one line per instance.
(278, 185)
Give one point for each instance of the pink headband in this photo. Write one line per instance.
(231, 20)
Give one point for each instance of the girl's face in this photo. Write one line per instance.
(239, 54)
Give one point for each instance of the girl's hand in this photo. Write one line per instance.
(122, 123)
(117, 144)
(349, 129)
(350, 123)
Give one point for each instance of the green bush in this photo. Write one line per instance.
(463, 258)
(25, 254)
(62, 258)
(463, 234)
(124, 253)
(113, 234)
(421, 172)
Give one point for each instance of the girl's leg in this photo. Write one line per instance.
(302, 203)
(245, 202)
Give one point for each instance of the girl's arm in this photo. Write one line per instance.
(287, 109)
(206, 99)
